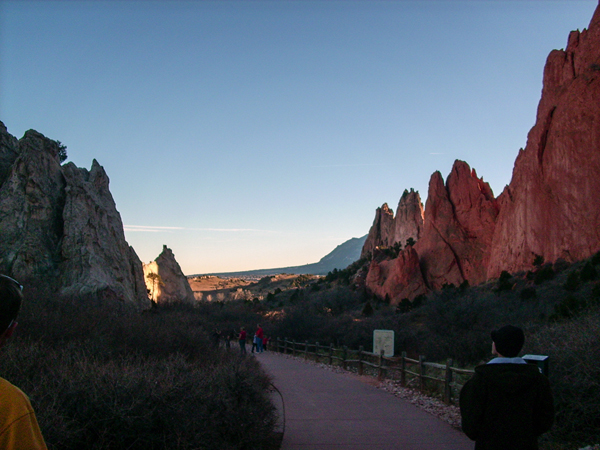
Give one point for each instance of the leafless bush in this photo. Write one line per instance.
(101, 378)
(573, 347)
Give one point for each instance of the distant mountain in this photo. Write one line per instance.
(340, 258)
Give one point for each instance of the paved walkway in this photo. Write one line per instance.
(325, 410)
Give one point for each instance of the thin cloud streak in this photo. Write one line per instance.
(348, 165)
(153, 229)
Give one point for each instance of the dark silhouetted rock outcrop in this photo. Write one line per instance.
(59, 225)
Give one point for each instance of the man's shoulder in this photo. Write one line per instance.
(510, 378)
(10, 391)
(486, 369)
(13, 400)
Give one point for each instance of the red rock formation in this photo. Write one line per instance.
(409, 218)
(387, 230)
(552, 205)
(458, 228)
(397, 278)
(381, 231)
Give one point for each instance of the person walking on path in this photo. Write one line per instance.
(19, 428)
(228, 338)
(508, 403)
(216, 338)
(255, 343)
(259, 341)
(242, 341)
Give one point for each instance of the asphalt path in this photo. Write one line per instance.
(326, 410)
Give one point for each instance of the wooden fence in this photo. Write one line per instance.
(407, 370)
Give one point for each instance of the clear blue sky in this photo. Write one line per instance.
(248, 135)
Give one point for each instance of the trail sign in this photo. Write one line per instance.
(383, 340)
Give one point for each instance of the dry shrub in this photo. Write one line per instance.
(104, 378)
(574, 347)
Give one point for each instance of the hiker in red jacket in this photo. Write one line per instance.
(242, 340)
(259, 341)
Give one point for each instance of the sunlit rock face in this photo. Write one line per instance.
(388, 230)
(381, 232)
(171, 285)
(452, 240)
(60, 229)
(408, 222)
(552, 204)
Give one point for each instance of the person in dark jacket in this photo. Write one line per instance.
(508, 403)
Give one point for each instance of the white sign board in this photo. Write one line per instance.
(383, 340)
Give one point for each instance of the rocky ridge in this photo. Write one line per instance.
(550, 208)
(387, 229)
(59, 225)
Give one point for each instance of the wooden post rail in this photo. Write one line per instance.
(448, 382)
(360, 363)
(409, 370)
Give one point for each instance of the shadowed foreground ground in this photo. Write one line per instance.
(328, 410)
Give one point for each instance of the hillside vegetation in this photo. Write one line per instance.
(112, 378)
(558, 305)
(109, 378)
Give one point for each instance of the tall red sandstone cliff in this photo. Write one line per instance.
(458, 228)
(387, 229)
(408, 222)
(381, 231)
(552, 204)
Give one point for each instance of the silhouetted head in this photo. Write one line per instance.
(508, 340)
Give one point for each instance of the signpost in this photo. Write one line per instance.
(383, 340)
